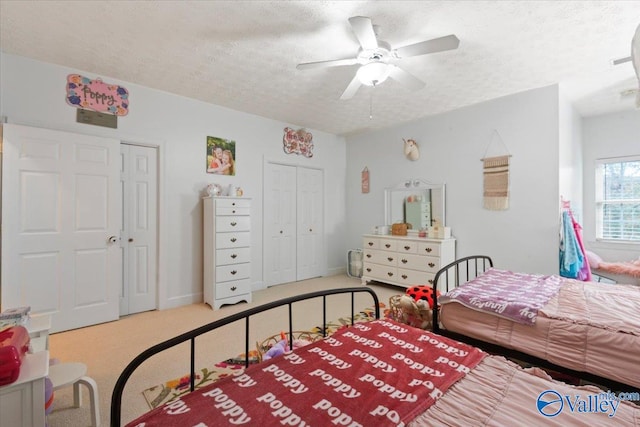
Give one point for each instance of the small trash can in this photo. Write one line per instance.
(354, 263)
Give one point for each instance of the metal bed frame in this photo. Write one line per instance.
(467, 268)
(116, 397)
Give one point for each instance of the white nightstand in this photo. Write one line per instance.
(38, 327)
(22, 402)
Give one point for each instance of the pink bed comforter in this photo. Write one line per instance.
(590, 327)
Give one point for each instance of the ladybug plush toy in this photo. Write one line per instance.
(422, 292)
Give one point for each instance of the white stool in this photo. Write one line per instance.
(64, 374)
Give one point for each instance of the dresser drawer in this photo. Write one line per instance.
(419, 262)
(233, 203)
(225, 273)
(388, 245)
(232, 289)
(233, 256)
(380, 257)
(380, 272)
(414, 277)
(371, 243)
(232, 211)
(429, 248)
(233, 223)
(408, 247)
(232, 240)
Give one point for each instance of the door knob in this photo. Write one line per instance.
(112, 239)
(130, 239)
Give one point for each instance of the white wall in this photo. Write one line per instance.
(33, 93)
(610, 135)
(522, 238)
(570, 156)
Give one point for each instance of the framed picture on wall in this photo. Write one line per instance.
(221, 156)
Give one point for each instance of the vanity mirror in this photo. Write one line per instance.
(417, 202)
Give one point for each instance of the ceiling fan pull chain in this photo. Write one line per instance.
(371, 103)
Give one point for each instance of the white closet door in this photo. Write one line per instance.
(60, 222)
(279, 224)
(139, 172)
(310, 208)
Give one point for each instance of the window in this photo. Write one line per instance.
(618, 199)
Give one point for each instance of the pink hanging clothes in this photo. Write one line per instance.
(584, 273)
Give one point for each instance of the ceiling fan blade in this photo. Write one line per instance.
(429, 46)
(326, 64)
(351, 89)
(363, 29)
(406, 79)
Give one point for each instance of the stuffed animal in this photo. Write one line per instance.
(416, 314)
(277, 349)
(422, 292)
(282, 346)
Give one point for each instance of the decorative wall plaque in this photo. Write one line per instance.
(96, 95)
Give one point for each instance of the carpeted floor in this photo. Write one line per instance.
(107, 348)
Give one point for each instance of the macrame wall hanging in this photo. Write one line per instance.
(496, 176)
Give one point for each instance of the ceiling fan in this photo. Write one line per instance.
(377, 58)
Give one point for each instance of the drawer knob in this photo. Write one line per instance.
(404, 276)
(406, 248)
(431, 265)
(370, 243)
(389, 274)
(233, 288)
(387, 245)
(234, 256)
(368, 255)
(368, 270)
(404, 261)
(389, 259)
(234, 271)
(428, 249)
(233, 240)
(233, 211)
(233, 224)
(233, 204)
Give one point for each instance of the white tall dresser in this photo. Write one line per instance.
(227, 250)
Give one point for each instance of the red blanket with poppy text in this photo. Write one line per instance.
(380, 373)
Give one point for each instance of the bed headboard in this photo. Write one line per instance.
(452, 275)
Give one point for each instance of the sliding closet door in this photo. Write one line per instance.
(279, 224)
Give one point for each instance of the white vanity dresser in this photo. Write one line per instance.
(409, 260)
(404, 260)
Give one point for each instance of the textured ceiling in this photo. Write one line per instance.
(243, 54)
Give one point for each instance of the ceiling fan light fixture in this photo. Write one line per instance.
(373, 73)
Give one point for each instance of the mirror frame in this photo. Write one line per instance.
(406, 188)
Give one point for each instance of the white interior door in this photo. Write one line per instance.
(60, 222)
(310, 218)
(279, 224)
(138, 237)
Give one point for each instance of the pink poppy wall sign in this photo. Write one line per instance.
(298, 142)
(97, 95)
